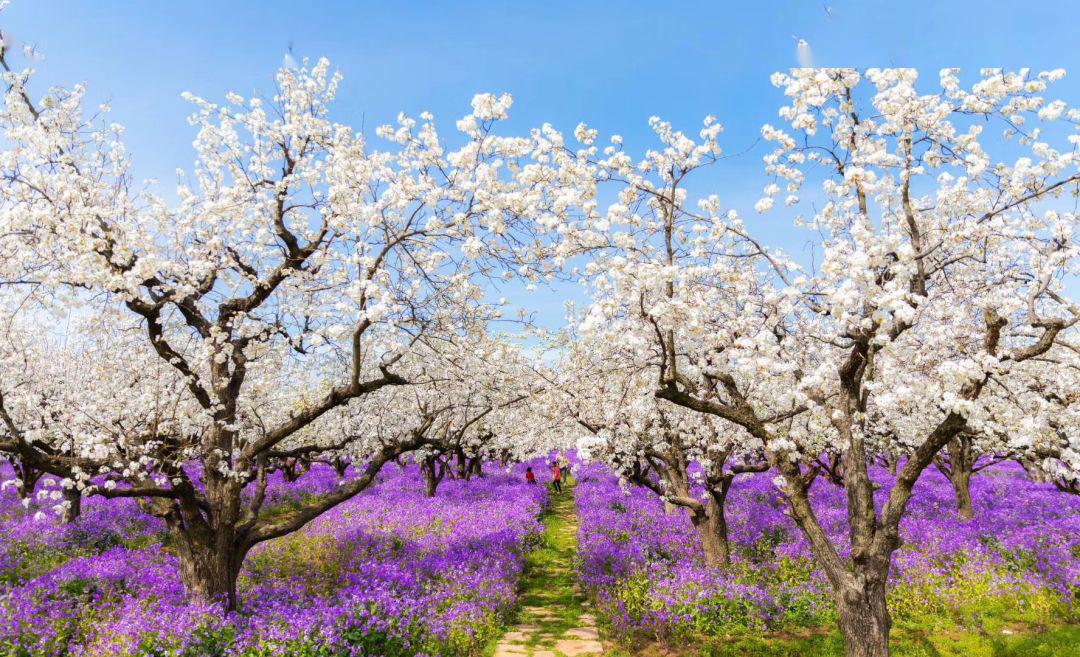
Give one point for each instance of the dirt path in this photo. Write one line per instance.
(555, 620)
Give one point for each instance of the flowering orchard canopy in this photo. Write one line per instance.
(948, 266)
(312, 292)
(299, 270)
(934, 309)
(295, 249)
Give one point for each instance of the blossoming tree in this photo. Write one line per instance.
(470, 408)
(299, 271)
(1050, 448)
(936, 282)
(599, 389)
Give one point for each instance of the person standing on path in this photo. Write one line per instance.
(556, 476)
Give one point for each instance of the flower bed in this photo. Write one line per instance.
(389, 572)
(1017, 561)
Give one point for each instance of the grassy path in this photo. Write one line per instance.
(554, 620)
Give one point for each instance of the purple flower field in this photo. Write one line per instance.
(394, 573)
(1017, 561)
(389, 572)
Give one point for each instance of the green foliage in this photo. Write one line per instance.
(208, 640)
(958, 607)
(762, 549)
(906, 641)
(973, 594)
(376, 643)
(30, 560)
(805, 609)
(78, 587)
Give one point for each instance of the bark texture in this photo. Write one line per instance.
(864, 617)
(433, 472)
(73, 510)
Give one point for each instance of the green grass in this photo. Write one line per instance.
(548, 580)
(906, 641)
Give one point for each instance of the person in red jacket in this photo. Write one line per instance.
(529, 476)
(556, 476)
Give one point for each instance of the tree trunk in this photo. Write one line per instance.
(462, 462)
(711, 525)
(209, 565)
(1034, 472)
(210, 548)
(961, 483)
(961, 465)
(863, 615)
(431, 477)
(476, 467)
(431, 484)
(340, 465)
(857, 583)
(892, 463)
(73, 510)
(289, 470)
(28, 477)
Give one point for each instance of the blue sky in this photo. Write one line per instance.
(611, 64)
